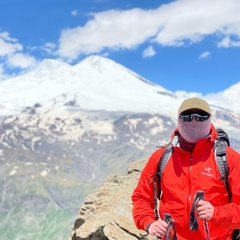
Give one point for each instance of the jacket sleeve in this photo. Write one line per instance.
(228, 216)
(143, 195)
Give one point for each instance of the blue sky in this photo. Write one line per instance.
(181, 45)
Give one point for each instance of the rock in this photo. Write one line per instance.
(107, 213)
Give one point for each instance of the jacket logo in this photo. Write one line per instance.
(207, 172)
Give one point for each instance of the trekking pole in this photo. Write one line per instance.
(167, 219)
(171, 225)
(200, 196)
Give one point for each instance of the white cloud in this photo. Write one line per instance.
(228, 42)
(205, 55)
(11, 53)
(8, 45)
(21, 60)
(49, 47)
(191, 21)
(148, 52)
(6, 37)
(175, 24)
(113, 29)
(1, 72)
(3, 75)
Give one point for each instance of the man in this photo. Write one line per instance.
(191, 168)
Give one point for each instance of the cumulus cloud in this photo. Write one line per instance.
(21, 60)
(1, 72)
(13, 56)
(205, 55)
(8, 45)
(228, 42)
(49, 47)
(178, 23)
(148, 52)
(114, 29)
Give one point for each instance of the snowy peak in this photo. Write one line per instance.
(96, 83)
(104, 65)
(97, 63)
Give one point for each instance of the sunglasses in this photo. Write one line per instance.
(198, 117)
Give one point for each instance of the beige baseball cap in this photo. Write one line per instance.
(194, 103)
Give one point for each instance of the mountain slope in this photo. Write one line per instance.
(71, 126)
(95, 83)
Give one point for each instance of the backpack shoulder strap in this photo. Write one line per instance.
(220, 151)
(157, 177)
(166, 155)
(220, 148)
(169, 148)
(222, 135)
(161, 165)
(164, 158)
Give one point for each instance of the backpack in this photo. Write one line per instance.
(220, 145)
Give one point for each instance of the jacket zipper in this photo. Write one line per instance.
(189, 193)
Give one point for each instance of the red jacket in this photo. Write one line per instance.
(184, 175)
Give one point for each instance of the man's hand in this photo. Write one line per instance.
(205, 210)
(158, 228)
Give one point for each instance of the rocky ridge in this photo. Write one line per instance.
(106, 213)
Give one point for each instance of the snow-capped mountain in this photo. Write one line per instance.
(65, 128)
(96, 83)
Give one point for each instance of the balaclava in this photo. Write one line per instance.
(193, 131)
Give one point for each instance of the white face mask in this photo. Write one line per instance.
(193, 131)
